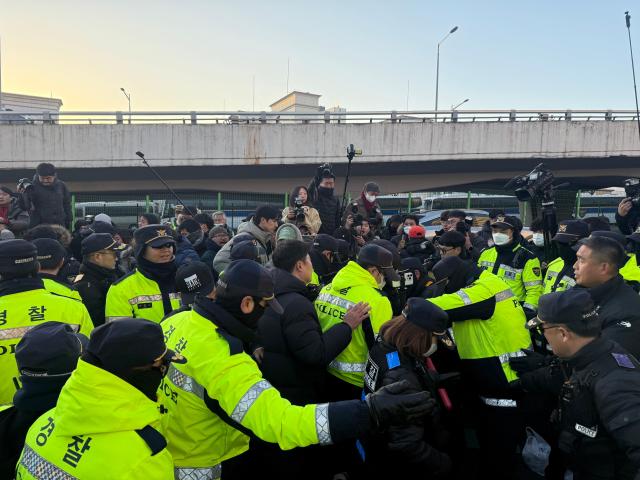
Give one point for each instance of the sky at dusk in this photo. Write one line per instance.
(204, 55)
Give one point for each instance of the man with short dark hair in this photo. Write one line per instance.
(457, 220)
(205, 221)
(48, 198)
(321, 196)
(597, 270)
(322, 253)
(597, 415)
(97, 273)
(51, 257)
(192, 231)
(262, 228)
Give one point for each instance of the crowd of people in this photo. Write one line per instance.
(319, 341)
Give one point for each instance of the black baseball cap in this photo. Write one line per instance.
(194, 278)
(324, 242)
(570, 307)
(50, 252)
(389, 246)
(371, 187)
(46, 170)
(379, 257)
(452, 238)
(153, 236)
(17, 257)
(103, 227)
(244, 278)
(126, 343)
(412, 263)
(50, 349)
(247, 249)
(97, 242)
(507, 221)
(570, 231)
(428, 316)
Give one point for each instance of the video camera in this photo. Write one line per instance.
(632, 191)
(324, 171)
(299, 210)
(357, 217)
(533, 185)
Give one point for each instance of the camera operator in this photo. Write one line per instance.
(321, 196)
(368, 207)
(300, 212)
(421, 278)
(322, 254)
(628, 214)
(355, 231)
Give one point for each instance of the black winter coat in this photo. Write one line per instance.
(620, 313)
(409, 445)
(93, 284)
(296, 352)
(50, 204)
(329, 210)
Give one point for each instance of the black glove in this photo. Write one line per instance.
(390, 405)
(529, 313)
(530, 362)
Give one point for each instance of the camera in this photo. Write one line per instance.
(632, 191)
(406, 280)
(535, 184)
(299, 210)
(23, 183)
(324, 171)
(357, 217)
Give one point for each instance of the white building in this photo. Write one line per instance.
(29, 103)
(298, 102)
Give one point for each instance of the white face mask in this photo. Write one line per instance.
(538, 239)
(370, 198)
(406, 230)
(432, 350)
(500, 238)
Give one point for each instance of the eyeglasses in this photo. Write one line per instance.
(541, 328)
(444, 250)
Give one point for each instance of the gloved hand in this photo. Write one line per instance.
(529, 313)
(530, 362)
(391, 405)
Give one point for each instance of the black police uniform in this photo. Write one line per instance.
(418, 448)
(94, 281)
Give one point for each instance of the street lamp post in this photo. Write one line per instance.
(438, 67)
(460, 104)
(128, 100)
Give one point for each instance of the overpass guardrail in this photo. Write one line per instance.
(262, 117)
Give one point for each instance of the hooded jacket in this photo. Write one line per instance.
(90, 439)
(49, 204)
(296, 352)
(351, 285)
(264, 238)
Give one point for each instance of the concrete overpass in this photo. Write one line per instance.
(259, 152)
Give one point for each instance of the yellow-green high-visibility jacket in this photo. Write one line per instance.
(558, 278)
(101, 428)
(488, 323)
(221, 386)
(55, 286)
(631, 271)
(352, 284)
(135, 295)
(519, 268)
(21, 311)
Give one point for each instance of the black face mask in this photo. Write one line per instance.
(232, 306)
(325, 192)
(147, 381)
(566, 253)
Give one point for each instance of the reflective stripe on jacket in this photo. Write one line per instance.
(352, 284)
(135, 295)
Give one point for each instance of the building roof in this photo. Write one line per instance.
(293, 93)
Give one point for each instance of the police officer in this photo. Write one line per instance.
(193, 278)
(97, 273)
(631, 270)
(24, 303)
(322, 254)
(219, 396)
(46, 356)
(149, 291)
(360, 281)
(512, 261)
(489, 328)
(559, 275)
(117, 437)
(598, 384)
(398, 354)
(51, 257)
